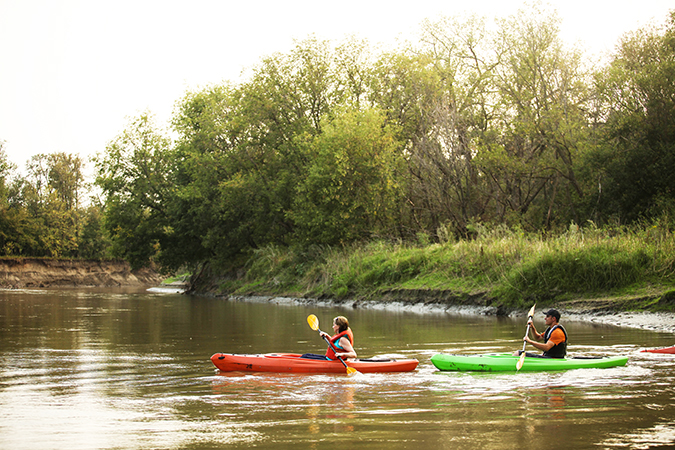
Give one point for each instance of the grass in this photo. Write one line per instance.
(510, 267)
(182, 277)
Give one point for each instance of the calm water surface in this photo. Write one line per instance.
(89, 369)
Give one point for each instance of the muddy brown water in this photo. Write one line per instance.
(130, 369)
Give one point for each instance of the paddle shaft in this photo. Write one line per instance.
(521, 360)
(527, 332)
(530, 316)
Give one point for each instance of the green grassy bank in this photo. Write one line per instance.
(616, 268)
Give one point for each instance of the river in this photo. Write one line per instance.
(130, 369)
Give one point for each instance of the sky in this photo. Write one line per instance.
(73, 72)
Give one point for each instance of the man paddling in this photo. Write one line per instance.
(555, 337)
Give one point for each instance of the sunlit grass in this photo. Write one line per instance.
(509, 266)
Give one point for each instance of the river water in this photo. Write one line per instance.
(125, 369)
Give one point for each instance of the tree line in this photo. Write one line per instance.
(44, 213)
(334, 144)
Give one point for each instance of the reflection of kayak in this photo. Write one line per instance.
(293, 363)
(506, 362)
(660, 350)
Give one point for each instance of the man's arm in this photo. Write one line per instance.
(543, 347)
(537, 336)
(556, 337)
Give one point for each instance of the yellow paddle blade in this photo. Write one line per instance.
(351, 371)
(520, 362)
(313, 322)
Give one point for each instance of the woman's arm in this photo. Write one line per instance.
(347, 346)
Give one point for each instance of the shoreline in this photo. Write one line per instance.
(663, 322)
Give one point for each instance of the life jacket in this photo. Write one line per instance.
(335, 340)
(558, 350)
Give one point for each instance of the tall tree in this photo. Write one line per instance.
(66, 178)
(541, 121)
(637, 100)
(50, 194)
(10, 227)
(351, 188)
(442, 155)
(135, 175)
(241, 160)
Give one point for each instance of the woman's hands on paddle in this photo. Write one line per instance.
(313, 322)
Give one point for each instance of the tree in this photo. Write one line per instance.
(239, 148)
(49, 195)
(351, 190)
(135, 175)
(637, 102)
(65, 178)
(456, 113)
(93, 243)
(540, 122)
(10, 220)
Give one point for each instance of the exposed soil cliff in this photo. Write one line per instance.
(33, 272)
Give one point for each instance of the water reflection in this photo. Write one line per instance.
(125, 369)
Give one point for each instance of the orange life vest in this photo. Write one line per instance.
(335, 341)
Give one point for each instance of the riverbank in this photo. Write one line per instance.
(19, 273)
(646, 320)
(498, 266)
(608, 275)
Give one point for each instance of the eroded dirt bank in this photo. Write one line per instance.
(20, 273)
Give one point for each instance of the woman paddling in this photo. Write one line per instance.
(342, 340)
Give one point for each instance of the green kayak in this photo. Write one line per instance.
(506, 362)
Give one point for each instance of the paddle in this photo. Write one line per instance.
(521, 360)
(313, 322)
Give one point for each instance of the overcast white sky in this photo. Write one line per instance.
(72, 72)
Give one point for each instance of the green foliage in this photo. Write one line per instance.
(93, 242)
(541, 120)
(637, 153)
(135, 175)
(350, 191)
(40, 213)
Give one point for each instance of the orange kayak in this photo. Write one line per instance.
(294, 363)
